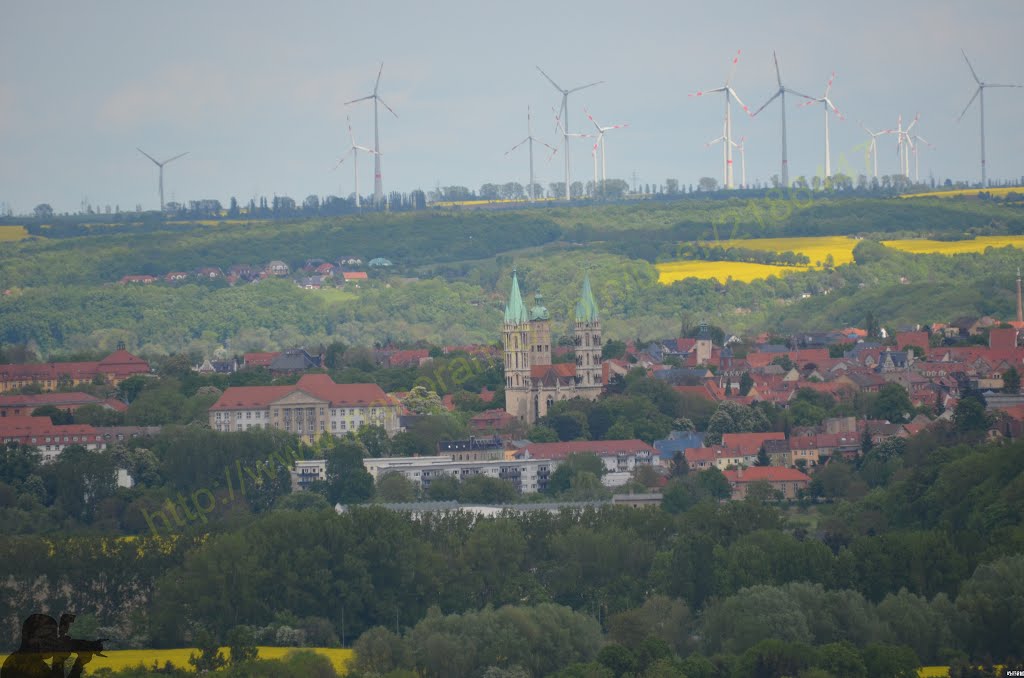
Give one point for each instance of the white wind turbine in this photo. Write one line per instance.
(600, 142)
(563, 114)
(161, 166)
(741, 147)
(354, 150)
(378, 186)
(979, 93)
(575, 135)
(730, 94)
(781, 95)
(916, 141)
(903, 143)
(873, 145)
(824, 99)
(530, 138)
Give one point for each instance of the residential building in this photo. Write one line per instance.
(24, 405)
(112, 370)
(49, 438)
(527, 475)
(307, 471)
(617, 455)
(310, 408)
(788, 481)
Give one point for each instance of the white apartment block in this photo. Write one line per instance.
(528, 475)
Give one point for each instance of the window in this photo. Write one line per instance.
(248, 415)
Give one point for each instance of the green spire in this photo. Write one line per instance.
(539, 311)
(586, 307)
(515, 310)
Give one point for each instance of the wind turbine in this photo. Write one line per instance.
(161, 166)
(378, 187)
(916, 140)
(980, 92)
(730, 93)
(354, 150)
(904, 145)
(743, 158)
(531, 139)
(600, 141)
(576, 135)
(824, 99)
(564, 115)
(873, 145)
(781, 95)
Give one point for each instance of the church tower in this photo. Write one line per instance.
(588, 344)
(516, 338)
(540, 332)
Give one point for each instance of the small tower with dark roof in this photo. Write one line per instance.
(540, 332)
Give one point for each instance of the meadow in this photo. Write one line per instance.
(817, 249)
(120, 659)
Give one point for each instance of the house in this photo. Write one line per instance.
(244, 272)
(175, 276)
(307, 471)
(314, 282)
(312, 407)
(140, 279)
(209, 273)
(325, 269)
(473, 449)
(617, 455)
(528, 476)
(354, 276)
(112, 370)
(295, 360)
(789, 481)
(717, 456)
(49, 438)
(379, 261)
(259, 358)
(749, 443)
(491, 421)
(24, 405)
(217, 366)
(278, 268)
(349, 261)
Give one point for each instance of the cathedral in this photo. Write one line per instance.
(532, 382)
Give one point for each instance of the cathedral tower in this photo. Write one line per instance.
(588, 344)
(516, 333)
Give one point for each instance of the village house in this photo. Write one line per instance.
(789, 481)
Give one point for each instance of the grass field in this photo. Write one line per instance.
(12, 233)
(816, 249)
(119, 659)
(333, 295)
(969, 192)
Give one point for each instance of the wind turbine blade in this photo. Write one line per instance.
(339, 163)
(175, 157)
(351, 137)
(995, 85)
(368, 150)
(828, 87)
(864, 127)
(809, 102)
(387, 107)
(518, 145)
(976, 92)
(591, 118)
(147, 155)
(732, 70)
(911, 125)
(700, 93)
(926, 142)
(713, 142)
(577, 89)
(553, 149)
(379, 73)
(738, 100)
(778, 76)
(358, 100)
(548, 77)
(976, 78)
(765, 104)
(828, 102)
(799, 94)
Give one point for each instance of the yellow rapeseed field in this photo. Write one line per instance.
(816, 249)
(120, 659)
(12, 233)
(672, 271)
(969, 192)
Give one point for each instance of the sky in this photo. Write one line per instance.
(255, 92)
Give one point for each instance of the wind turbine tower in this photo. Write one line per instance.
(378, 186)
(600, 142)
(873, 146)
(354, 150)
(563, 116)
(730, 94)
(530, 138)
(781, 95)
(980, 95)
(161, 166)
(828, 105)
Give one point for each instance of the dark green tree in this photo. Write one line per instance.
(348, 482)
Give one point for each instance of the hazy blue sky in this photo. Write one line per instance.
(254, 91)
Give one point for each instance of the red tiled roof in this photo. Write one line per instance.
(355, 275)
(119, 363)
(14, 427)
(750, 443)
(257, 359)
(601, 448)
(776, 474)
(41, 399)
(317, 385)
(696, 455)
